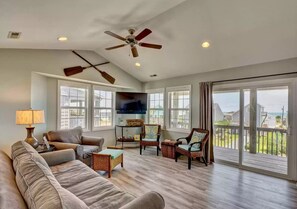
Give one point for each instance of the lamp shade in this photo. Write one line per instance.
(29, 117)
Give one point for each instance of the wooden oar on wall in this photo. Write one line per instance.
(78, 69)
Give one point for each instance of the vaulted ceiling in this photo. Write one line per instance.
(240, 32)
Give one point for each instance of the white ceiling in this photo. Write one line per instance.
(240, 32)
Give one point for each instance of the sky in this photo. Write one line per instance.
(272, 99)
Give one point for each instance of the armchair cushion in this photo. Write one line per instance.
(197, 137)
(67, 136)
(186, 147)
(62, 145)
(149, 140)
(151, 132)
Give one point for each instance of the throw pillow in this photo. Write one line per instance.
(197, 137)
(151, 132)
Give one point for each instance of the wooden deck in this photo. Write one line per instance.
(216, 186)
(260, 161)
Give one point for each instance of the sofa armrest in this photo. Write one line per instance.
(88, 140)
(62, 145)
(58, 157)
(150, 200)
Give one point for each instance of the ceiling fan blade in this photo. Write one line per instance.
(134, 51)
(115, 47)
(143, 34)
(154, 46)
(73, 70)
(115, 35)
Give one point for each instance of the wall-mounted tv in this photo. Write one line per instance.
(131, 103)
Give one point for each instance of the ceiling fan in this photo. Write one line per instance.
(133, 40)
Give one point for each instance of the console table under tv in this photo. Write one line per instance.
(123, 138)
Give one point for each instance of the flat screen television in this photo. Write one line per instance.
(131, 103)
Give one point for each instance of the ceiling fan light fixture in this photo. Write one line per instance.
(205, 44)
(137, 64)
(62, 38)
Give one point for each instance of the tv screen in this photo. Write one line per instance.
(131, 103)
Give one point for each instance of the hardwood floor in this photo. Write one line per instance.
(214, 186)
(261, 161)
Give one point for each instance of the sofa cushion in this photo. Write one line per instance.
(10, 196)
(67, 136)
(87, 185)
(37, 183)
(23, 150)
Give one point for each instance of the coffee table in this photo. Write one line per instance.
(107, 159)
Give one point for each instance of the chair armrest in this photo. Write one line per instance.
(62, 145)
(58, 157)
(195, 143)
(150, 200)
(182, 138)
(97, 141)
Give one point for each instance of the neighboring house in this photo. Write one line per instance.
(235, 116)
(269, 121)
(218, 114)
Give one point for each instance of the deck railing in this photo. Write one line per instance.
(271, 141)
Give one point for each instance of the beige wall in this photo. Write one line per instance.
(289, 65)
(21, 88)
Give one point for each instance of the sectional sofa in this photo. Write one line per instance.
(56, 180)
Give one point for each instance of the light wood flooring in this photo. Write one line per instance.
(215, 186)
(261, 161)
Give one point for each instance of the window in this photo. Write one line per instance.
(78, 107)
(103, 108)
(179, 107)
(156, 107)
(73, 105)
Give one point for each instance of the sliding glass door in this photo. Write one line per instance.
(250, 126)
(226, 125)
(266, 121)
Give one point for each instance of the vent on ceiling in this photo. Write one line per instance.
(14, 35)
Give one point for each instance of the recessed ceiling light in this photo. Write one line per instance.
(205, 44)
(154, 75)
(62, 38)
(137, 64)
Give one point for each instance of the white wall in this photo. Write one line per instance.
(39, 100)
(289, 65)
(16, 68)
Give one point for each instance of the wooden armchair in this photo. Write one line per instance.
(195, 145)
(150, 136)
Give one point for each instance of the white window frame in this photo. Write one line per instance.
(168, 109)
(101, 88)
(59, 107)
(152, 91)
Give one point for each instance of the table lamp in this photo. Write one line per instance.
(29, 117)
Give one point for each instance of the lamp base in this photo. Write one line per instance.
(30, 137)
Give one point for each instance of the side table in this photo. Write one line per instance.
(168, 148)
